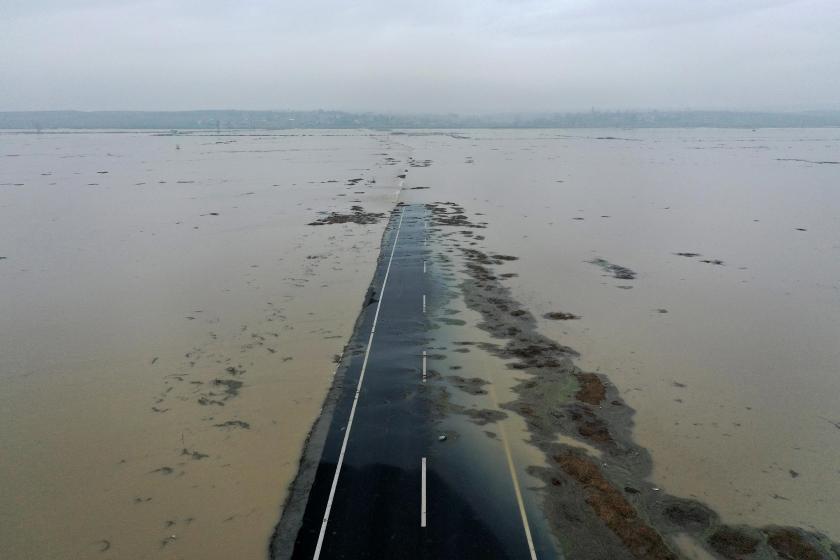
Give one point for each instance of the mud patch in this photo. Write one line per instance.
(473, 386)
(231, 387)
(483, 416)
(733, 543)
(357, 215)
(814, 162)
(451, 214)
(616, 271)
(560, 316)
(442, 406)
(689, 516)
(234, 424)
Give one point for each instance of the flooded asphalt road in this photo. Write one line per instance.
(377, 480)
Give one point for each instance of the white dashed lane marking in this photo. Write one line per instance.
(423, 492)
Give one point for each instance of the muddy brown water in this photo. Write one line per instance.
(731, 364)
(133, 302)
(145, 278)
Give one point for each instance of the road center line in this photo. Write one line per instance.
(424, 303)
(424, 366)
(423, 492)
(326, 519)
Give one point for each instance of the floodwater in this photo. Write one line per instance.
(144, 278)
(133, 302)
(732, 365)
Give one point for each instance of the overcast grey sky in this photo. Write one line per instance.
(421, 55)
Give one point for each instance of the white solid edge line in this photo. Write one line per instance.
(519, 501)
(423, 492)
(321, 534)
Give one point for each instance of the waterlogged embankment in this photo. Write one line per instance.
(596, 491)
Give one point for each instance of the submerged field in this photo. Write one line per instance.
(171, 306)
(701, 269)
(169, 323)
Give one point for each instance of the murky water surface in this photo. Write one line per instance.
(168, 320)
(168, 325)
(729, 356)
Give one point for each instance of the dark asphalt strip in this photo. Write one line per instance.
(371, 507)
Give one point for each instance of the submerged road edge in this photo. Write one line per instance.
(282, 542)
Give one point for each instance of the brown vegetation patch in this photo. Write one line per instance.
(614, 510)
(590, 426)
(595, 430)
(791, 545)
(592, 390)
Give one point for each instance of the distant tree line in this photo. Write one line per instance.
(278, 120)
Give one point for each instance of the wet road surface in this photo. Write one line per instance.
(376, 480)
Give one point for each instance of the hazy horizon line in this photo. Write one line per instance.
(486, 113)
(229, 119)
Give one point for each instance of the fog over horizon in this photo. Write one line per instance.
(473, 56)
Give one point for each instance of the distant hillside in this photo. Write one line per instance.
(211, 120)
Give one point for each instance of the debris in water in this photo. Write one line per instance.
(617, 271)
